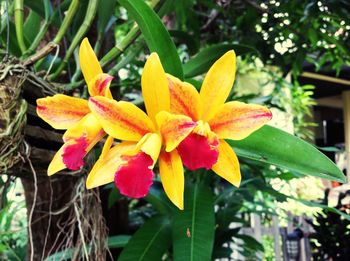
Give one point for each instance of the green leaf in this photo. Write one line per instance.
(186, 38)
(159, 200)
(193, 228)
(113, 197)
(36, 6)
(118, 241)
(66, 254)
(31, 26)
(205, 58)
(150, 242)
(274, 146)
(156, 36)
(322, 206)
(250, 242)
(105, 13)
(13, 43)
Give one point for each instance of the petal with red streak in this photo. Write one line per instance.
(134, 178)
(198, 151)
(184, 98)
(237, 120)
(174, 128)
(99, 85)
(74, 152)
(88, 61)
(89, 127)
(107, 165)
(122, 120)
(61, 111)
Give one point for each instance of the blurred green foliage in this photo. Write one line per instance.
(282, 35)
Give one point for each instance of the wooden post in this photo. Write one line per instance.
(256, 224)
(276, 238)
(302, 242)
(306, 229)
(346, 101)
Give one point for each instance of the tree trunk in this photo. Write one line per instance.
(51, 211)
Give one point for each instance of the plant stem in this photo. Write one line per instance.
(127, 59)
(66, 21)
(19, 24)
(43, 29)
(118, 49)
(134, 33)
(73, 7)
(89, 17)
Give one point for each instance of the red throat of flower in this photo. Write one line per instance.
(73, 154)
(134, 179)
(196, 151)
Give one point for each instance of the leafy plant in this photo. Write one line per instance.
(329, 241)
(41, 37)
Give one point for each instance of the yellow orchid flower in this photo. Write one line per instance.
(73, 114)
(129, 164)
(216, 120)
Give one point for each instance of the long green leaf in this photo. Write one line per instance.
(159, 200)
(118, 241)
(150, 242)
(156, 35)
(193, 228)
(105, 13)
(322, 206)
(274, 146)
(67, 254)
(205, 58)
(31, 26)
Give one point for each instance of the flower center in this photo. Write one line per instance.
(73, 154)
(134, 178)
(198, 151)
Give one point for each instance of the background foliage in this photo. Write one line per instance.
(271, 38)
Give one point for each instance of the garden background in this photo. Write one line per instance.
(292, 56)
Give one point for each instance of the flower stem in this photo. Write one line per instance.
(89, 17)
(118, 49)
(66, 21)
(43, 29)
(60, 34)
(19, 24)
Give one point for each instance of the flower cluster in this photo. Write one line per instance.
(181, 127)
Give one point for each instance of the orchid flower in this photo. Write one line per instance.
(73, 114)
(216, 120)
(130, 163)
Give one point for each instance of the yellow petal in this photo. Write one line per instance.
(107, 146)
(107, 165)
(218, 83)
(99, 85)
(88, 61)
(151, 144)
(172, 177)
(155, 89)
(184, 98)
(89, 127)
(61, 111)
(56, 163)
(237, 120)
(227, 165)
(122, 120)
(174, 128)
